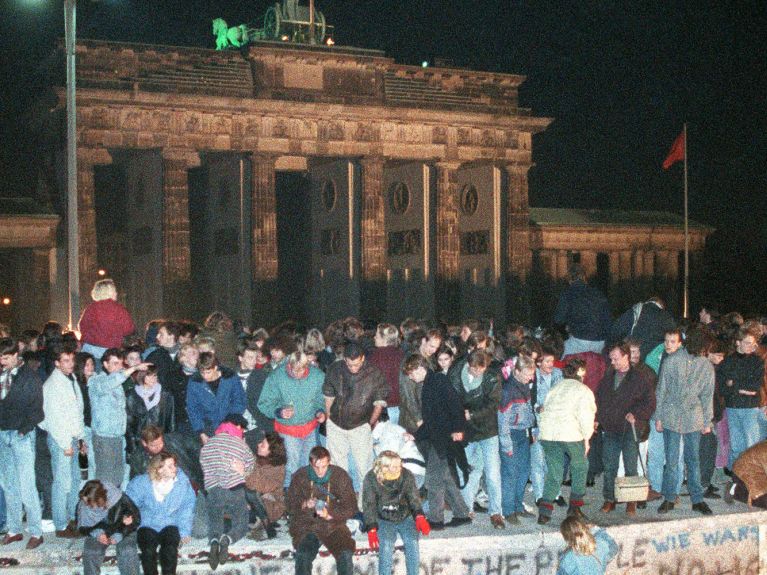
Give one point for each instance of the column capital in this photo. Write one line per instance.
(190, 157)
(447, 165)
(89, 157)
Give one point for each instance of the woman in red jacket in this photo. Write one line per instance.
(104, 322)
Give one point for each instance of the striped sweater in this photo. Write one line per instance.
(216, 459)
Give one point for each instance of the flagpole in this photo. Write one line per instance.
(686, 295)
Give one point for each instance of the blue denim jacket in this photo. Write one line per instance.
(108, 415)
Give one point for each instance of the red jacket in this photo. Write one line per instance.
(105, 323)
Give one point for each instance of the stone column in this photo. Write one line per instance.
(176, 258)
(624, 259)
(649, 266)
(519, 259)
(266, 307)
(41, 279)
(373, 240)
(589, 263)
(562, 264)
(87, 159)
(448, 244)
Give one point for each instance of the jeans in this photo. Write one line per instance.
(656, 460)
(574, 345)
(672, 473)
(387, 536)
(229, 502)
(297, 450)
(168, 540)
(744, 430)
(66, 483)
(515, 470)
(127, 555)
(484, 455)
(393, 414)
(556, 452)
(537, 469)
(613, 444)
(108, 454)
(17, 478)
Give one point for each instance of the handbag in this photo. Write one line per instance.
(629, 489)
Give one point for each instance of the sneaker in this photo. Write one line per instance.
(271, 531)
(729, 495)
(8, 539)
(525, 513)
(560, 501)
(702, 508)
(512, 519)
(223, 549)
(665, 507)
(543, 519)
(497, 521)
(653, 495)
(213, 555)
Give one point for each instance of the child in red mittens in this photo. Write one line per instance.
(391, 505)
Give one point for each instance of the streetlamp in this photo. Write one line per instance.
(73, 248)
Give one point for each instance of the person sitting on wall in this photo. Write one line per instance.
(749, 477)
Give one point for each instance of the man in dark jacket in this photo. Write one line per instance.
(624, 398)
(585, 312)
(252, 381)
(355, 394)
(169, 371)
(647, 322)
(441, 435)
(478, 384)
(320, 500)
(21, 409)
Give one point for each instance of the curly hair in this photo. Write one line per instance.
(277, 453)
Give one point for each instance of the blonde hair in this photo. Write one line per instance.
(314, 342)
(298, 359)
(156, 462)
(385, 459)
(104, 289)
(578, 536)
(524, 362)
(389, 333)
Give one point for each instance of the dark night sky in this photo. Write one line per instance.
(620, 78)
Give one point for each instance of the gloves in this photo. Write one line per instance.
(422, 525)
(373, 538)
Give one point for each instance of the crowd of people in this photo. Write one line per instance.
(388, 424)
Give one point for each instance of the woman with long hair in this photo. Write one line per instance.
(588, 550)
(265, 493)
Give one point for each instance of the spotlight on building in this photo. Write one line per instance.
(102, 273)
(284, 38)
(6, 301)
(330, 41)
(425, 64)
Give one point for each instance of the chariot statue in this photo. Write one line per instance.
(285, 21)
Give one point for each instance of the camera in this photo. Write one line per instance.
(319, 506)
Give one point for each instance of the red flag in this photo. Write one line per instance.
(677, 152)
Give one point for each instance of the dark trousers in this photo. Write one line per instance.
(307, 551)
(613, 444)
(167, 540)
(257, 509)
(708, 445)
(227, 502)
(595, 456)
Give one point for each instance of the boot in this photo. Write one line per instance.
(631, 508)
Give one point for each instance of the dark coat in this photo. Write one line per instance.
(650, 328)
(585, 311)
(634, 395)
(746, 371)
(482, 402)
(161, 415)
(342, 505)
(442, 412)
(354, 394)
(393, 501)
(254, 387)
(113, 523)
(22, 409)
